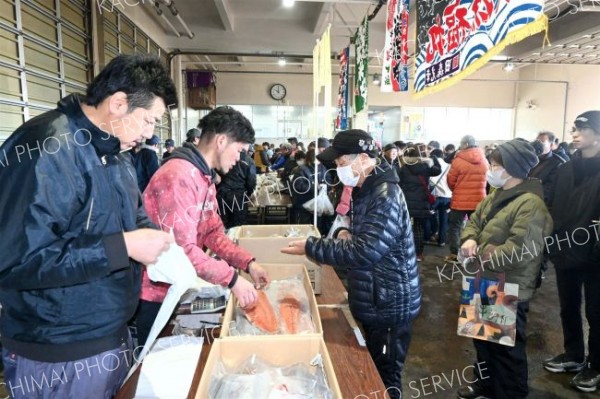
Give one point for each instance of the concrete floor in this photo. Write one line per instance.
(438, 355)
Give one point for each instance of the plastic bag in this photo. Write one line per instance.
(339, 222)
(288, 298)
(324, 205)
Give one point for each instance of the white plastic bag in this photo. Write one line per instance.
(339, 222)
(324, 205)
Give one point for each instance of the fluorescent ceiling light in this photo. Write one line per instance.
(288, 3)
(281, 61)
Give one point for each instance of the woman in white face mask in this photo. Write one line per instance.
(506, 235)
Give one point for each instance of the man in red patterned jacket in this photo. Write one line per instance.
(181, 197)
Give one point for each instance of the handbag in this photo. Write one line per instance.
(430, 197)
(488, 309)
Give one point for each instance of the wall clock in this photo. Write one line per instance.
(278, 91)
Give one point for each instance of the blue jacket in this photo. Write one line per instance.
(67, 286)
(383, 278)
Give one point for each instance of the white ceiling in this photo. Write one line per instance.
(250, 35)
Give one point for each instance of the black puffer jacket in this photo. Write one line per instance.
(241, 178)
(414, 181)
(546, 170)
(383, 278)
(575, 206)
(67, 286)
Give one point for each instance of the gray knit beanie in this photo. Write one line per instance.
(518, 157)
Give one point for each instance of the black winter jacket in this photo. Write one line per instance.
(575, 207)
(414, 181)
(383, 278)
(241, 178)
(145, 162)
(546, 170)
(67, 286)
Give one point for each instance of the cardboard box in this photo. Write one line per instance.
(282, 350)
(259, 242)
(276, 272)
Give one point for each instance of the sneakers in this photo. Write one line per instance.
(471, 392)
(419, 258)
(563, 364)
(587, 380)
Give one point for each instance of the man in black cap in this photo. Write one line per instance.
(169, 147)
(575, 253)
(378, 250)
(193, 136)
(294, 143)
(145, 161)
(390, 156)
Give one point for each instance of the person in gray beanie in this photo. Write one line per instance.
(512, 219)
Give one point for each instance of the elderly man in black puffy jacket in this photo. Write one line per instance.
(378, 249)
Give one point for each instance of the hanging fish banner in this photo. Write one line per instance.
(341, 121)
(457, 37)
(394, 71)
(361, 72)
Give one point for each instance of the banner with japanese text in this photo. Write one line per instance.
(322, 83)
(361, 72)
(394, 73)
(341, 122)
(457, 37)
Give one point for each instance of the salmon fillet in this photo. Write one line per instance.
(289, 313)
(262, 314)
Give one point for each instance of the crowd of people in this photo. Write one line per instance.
(80, 222)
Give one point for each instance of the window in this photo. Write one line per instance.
(44, 55)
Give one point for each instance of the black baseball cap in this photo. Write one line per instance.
(353, 141)
(589, 119)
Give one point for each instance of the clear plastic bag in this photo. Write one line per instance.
(288, 298)
(257, 379)
(339, 222)
(322, 201)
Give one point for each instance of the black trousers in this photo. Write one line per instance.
(504, 368)
(456, 223)
(570, 283)
(388, 348)
(144, 318)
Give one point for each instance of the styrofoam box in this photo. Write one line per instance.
(276, 272)
(280, 350)
(259, 241)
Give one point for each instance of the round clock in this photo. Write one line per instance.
(277, 91)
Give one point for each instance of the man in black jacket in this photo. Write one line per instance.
(383, 279)
(75, 235)
(548, 165)
(145, 161)
(575, 252)
(235, 190)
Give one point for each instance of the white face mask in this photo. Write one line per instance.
(495, 179)
(301, 163)
(347, 176)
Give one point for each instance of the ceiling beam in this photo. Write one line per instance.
(564, 28)
(322, 19)
(225, 14)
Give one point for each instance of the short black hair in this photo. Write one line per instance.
(299, 155)
(141, 77)
(496, 156)
(266, 143)
(450, 147)
(228, 121)
(437, 153)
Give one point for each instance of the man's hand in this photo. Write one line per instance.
(295, 248)
(145, 245)
(245, 293)
(469, 248)
(259, 275)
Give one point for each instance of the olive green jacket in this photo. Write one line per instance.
(512, 242)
